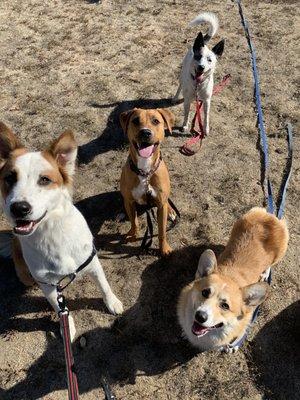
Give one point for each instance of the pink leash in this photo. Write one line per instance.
(197, 126)
(70, 368)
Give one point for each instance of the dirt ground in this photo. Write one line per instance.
(77, 64)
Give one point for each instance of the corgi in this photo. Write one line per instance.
(198, 68)
(51, 237)
(217, 307)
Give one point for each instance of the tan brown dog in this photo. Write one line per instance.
(145, 177)
(218, 306)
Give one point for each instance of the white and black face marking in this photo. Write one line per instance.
(31, 187)
(205, 59)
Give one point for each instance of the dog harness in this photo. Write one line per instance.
(148, 208)
(67, 279)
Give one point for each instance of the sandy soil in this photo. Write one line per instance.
(77, 64)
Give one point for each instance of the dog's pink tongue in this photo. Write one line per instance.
(200, 78)
(146, 151)
(199, 330)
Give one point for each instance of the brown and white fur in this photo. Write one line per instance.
(52, 237)
(145, 131)
(198, 66)
(218, 305)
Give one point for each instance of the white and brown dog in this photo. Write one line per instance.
(198, 69)
(145, 178)
(218, 306)
(51, 236)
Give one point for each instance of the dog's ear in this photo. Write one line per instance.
(64, 150)
(207, 264)
(124, 119)
(8, 143)
(219, 48)
(168, 118)
(198, 43)
(255, 294)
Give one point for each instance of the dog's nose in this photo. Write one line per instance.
(20, 209)
(201, 316)
(145, 134)
(200, 69)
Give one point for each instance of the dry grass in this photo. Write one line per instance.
(74, 64)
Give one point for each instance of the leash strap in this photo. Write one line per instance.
(147, 241)
(264, 148)
(197, 126)
(70, 367)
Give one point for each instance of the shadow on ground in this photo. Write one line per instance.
(146, 338)
(275, 355)
(113, 138)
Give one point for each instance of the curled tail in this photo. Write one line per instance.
(6, 238)
(207, 18)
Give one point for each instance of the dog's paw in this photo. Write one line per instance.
(71, 328)
(228, 349)
(114, 305)
(165, 250)
(131, 236)
(185, 128)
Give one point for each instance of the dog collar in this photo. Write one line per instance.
(141, 172)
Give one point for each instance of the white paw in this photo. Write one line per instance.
(228, 349)
(185, 128)
(113, 304)
(265, 275)
(71, 327)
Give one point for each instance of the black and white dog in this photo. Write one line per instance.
(198, 69)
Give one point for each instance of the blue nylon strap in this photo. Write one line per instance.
(264, 147)
(260, 118)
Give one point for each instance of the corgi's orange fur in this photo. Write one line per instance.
(217, 307)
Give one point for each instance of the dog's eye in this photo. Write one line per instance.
(44, 181)
(155, 121)
(224, 305)
(206, 293)
(208, 59)
(11, 178)
(136, 121)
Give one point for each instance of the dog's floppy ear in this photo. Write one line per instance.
(8, 143)
(168, 118)
(198, 43)
(124, 119)
(255, 294)
(207, 264)
(219, 48)
(64, 150)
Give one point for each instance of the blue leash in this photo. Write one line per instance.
(264, 147)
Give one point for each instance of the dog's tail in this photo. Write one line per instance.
(207, 18)
(6, 238)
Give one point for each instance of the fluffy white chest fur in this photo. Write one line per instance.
(60, 245)
(143, 187)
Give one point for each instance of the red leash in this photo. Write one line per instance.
(197, 126)
(71, 375)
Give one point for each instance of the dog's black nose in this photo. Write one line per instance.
(200, 69)
(145, 134)
(201, 316)
(20, 209)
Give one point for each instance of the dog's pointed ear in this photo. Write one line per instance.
(255, 294)
(207, 264)
(64, 150)
(168, 117)
(219, 48)
(198, 43)
(124, 119)
(8, 143)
